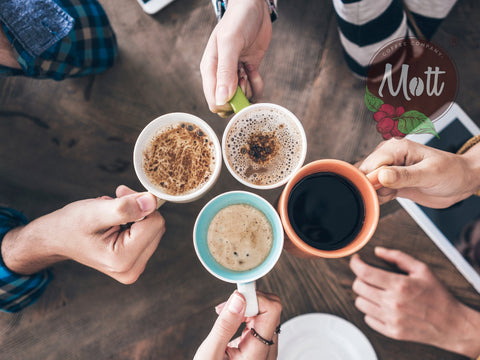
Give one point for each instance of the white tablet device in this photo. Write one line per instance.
(447, 227)
(153, 6)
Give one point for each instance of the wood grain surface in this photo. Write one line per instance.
(70, 140)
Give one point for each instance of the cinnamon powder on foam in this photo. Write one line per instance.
(179, 160)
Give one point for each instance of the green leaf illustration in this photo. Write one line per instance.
(373, 103)
(415, 122)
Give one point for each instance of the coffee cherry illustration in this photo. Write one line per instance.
(387, 109)
(379, 115)
(387, 136)
(385, 125)
(399, 111)
(396, 133)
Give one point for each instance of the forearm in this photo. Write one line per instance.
(472, 177)
(16, 291)
(6, 53)
(26, 250)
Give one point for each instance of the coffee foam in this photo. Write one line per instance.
(288, 149)
(179, 159)
(240, 237)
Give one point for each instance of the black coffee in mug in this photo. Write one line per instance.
(326, 210)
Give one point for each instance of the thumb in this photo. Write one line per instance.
(227, 70)
(225, 327)
(125, 209)
(398, 177)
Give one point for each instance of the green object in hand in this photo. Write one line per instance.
(239, 100)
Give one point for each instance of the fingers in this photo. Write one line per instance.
(403, 261)
(227, 67)
(369, 274)
(225, 327)
(123, 190)
(393, 152)
(385, 195)
(131, 248)
(265, 323)
(255, 81)
(398, 177)
(123, 210)
(367, 291)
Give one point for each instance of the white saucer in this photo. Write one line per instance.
(319, 336)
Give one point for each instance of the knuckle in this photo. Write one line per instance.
(222, 327)
(397, 306)
(356, 286)
(402, 288)
(277, 306)
(423, 269)
(397, 332)
(361, 271)
(359, 303)
(123, 267)
(213, 108)
(122, 207)
(130, 277)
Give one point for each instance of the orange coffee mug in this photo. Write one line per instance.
(328, 209)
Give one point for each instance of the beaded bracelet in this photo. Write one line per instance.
(262, 339)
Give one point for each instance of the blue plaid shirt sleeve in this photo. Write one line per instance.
(83, 41)
(17, 291)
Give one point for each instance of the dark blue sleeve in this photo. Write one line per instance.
(17, 291)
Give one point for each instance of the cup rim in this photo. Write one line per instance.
(361, 182)
(147, 133)
(274, 255)
(294, 170)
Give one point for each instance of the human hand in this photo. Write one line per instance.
(414, 306)
(217, 345)
(233, 54)
(428, 176)
(101, 233)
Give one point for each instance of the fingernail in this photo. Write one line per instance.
(387, 176)
(221, 96)
(236, 304)
(146, 202)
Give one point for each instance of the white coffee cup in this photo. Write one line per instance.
(264, 118)
(153, 129)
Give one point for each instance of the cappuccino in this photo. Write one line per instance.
(240, 237)
(264, 146)
(179, 159)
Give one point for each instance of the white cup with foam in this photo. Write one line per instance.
(157, 127)
(268, 162)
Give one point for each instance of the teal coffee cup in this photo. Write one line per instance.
(245, 279)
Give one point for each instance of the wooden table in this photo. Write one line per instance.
(70, 140)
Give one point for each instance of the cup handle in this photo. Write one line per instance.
(239, 101)
(248, 290)
(160, 202)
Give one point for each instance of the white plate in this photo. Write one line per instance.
(320, 336)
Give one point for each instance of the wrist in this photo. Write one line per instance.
(25, 251)
(472, 176)
(468, 343)
(267, 7)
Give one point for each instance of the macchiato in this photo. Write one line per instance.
(240, 237)
(264, 145)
